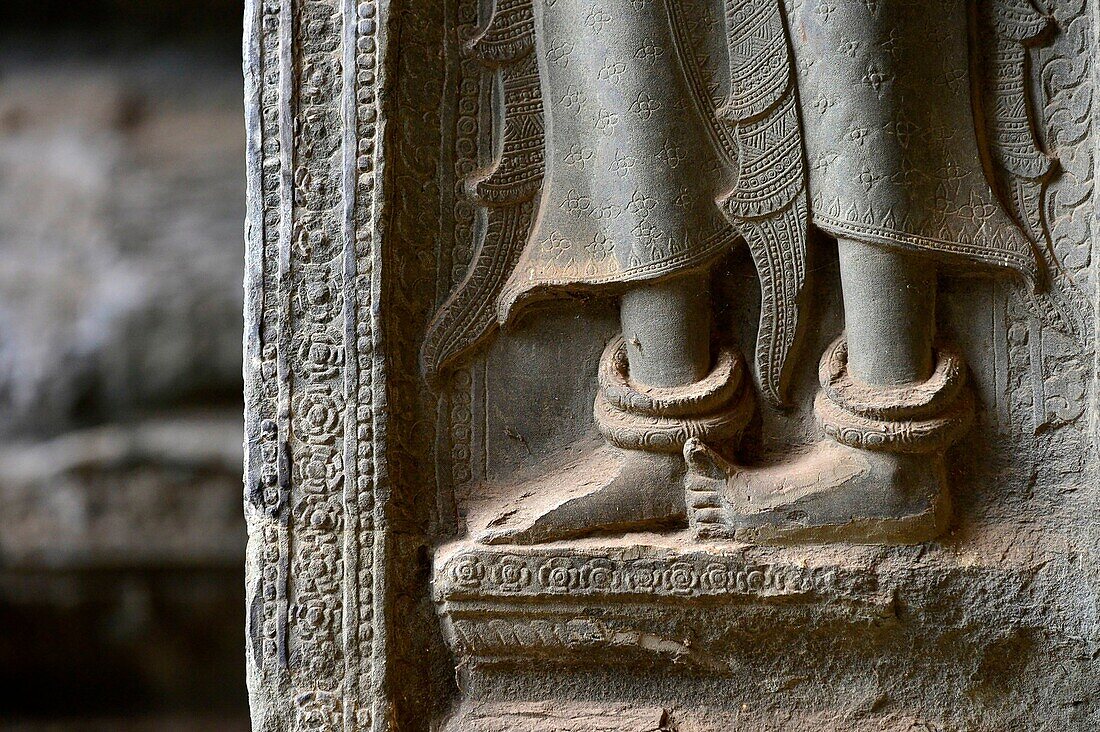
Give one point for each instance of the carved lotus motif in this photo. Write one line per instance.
(715, 577)
(319, 23)
(645, 577)
(320, 663)
(320, 356)
(316, 416)
(558, 575)
(319, 514)
(314, 192)
(321, 471)
(313, 620)
(682, 578)
(319, 134)
(317, 298)
(511, 575)
(755, 580)
(317, 712)
(601, 574)
(468, 571)
(318, 567)
(313, 243)
(317, 79)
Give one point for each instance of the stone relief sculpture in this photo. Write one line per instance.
(616, 172)
(464, 518)
(899, 182)
(623, 199)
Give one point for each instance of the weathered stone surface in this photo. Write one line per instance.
(886, 522)
(121, 214)
(120, 229)
(546, 717)
(150, 494)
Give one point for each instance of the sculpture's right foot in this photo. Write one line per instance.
(634, 481)
(609, 490)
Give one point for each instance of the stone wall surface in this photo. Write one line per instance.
(684, 365)
(120, 274)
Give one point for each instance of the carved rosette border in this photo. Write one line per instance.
(313, 384)
(480, 574)
(470, 136)
(574, 605)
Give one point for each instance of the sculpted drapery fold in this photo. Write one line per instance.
(508, 188)
(615, 160)
(891, 142)
(768, 204)
(642, 198)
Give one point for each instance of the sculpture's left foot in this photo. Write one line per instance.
(879, 477)
(831, 493)
(635, 480)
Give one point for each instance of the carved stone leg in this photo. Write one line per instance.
(889, 313)
(655, 393)
(666, 327)
(889, 412)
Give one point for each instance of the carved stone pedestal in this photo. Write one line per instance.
(647, 604)
(633, 611)
(658, 630)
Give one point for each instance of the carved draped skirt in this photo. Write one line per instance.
(631, 178)
(632, 174)
(620, 164)
(891, 142)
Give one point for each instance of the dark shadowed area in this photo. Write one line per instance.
(121, 227)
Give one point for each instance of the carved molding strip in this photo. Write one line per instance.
(313, 384)
(633, 606)
(475, 573)
(551, 717)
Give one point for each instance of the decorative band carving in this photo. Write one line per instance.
(479, 574)
(914, 418)
(910, 401)
(716, 408)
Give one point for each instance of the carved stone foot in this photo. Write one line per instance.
(635, 480)
(880, 478)
(608, 490)
(832, 493)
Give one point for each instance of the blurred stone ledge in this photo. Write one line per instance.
(153, 494)
(152, 724)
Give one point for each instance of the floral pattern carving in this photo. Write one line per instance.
(313, 334)
(482, 573)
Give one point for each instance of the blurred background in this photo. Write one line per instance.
(121, 229)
